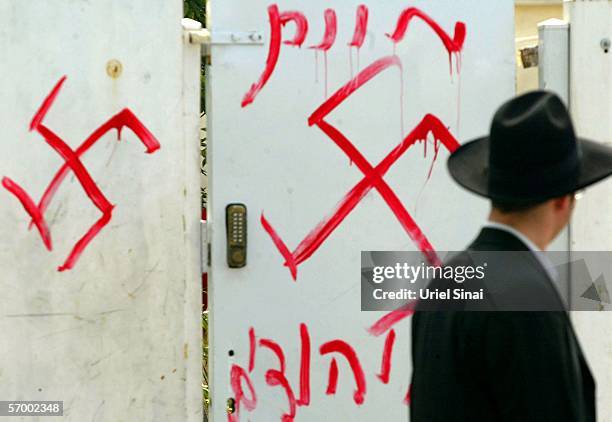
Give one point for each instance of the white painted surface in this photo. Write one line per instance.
(553, 49)
(553, 75)
(591, 103)
(117, 338)
(266, 156)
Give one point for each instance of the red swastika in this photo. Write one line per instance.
(373, 176)
(73, 162)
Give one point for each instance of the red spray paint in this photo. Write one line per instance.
(277, 350)
(342, 347)
(277, 21)
(237, 375)
(332, 381)
(331, 30)
(373, 176)
(276, 378)
(361, 26)
(453, 45)
(252, 349)
(31, 208)
(390, 319)
(73, 162)
(385, 367)
(304, 399)
(329, 37)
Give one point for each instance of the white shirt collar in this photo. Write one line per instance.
(539, 254)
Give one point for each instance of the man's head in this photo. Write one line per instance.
(531, 164)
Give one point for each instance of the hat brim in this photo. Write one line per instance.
(468, 166)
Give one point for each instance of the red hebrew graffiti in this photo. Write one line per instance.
(373, 176)
(332, 382)
(277, 376)
(252, 342)
(330, 31)
(361, 26)
(237, 375)
(72, 158)
(342, 347)
(385, 367)
(277, 21)
(301, 27)
(274, 378)
(304, 399)
(452, 45)
(329, 37)
(276, 349)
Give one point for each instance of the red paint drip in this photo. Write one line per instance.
(325, 69)
(435, 157)
(453, 45)
(316, 54)
(373, 176)
(276, 349)
(342, 347)
(277, 21)
(329, 37)
(385, 368)
(332, 382)
(353, 85)
(390, 319)
(361, 26)
(274, 378)
(252, 350)
(304, 399)
(237, 375)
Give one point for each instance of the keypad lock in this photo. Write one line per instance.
(236, 226)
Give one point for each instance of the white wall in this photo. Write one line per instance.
(591, 95)
(117, 338)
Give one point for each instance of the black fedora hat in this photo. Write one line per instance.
(531, 154)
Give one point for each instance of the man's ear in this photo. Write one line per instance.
(562, 203)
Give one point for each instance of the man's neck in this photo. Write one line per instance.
(533, 232)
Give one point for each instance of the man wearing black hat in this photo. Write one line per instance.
(517, 359)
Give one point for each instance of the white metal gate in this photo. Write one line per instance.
(307, 102)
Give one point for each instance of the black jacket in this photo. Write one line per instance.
(500, 365)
